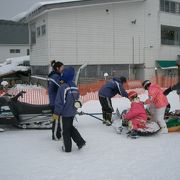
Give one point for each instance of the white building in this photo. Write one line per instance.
(14, 40)
(114, 36)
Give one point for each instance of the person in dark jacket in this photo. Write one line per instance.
(53, 85)
(173, 88)
(109, 90)
(177, 85)
(66, 97)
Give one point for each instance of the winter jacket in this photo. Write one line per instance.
(136, 115)
(136, 111)
(111, 88)
(53, 87)
(64, 103)
(156, 96)
(67, 95)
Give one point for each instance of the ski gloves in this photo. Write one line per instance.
(55, 117)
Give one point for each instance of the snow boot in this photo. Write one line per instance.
(108, 119)
(133, 134)
(163, 130)
(104, 117)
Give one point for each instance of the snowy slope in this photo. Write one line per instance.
(31, 155)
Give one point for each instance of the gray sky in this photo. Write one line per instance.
(10, 8)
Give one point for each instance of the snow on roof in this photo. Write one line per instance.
(38, 5)
(13, 65)
(19, 16)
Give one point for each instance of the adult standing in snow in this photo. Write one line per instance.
(158, 102)
(53, 85)
(136, 116)
(109, 90)
(65, 108)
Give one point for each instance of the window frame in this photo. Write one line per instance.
(43, 29)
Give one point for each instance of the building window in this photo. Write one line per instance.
(43, 29)
(12, 51)
(170, 6)
(170, 35)
(38, 31)
(28, 52)
(162, 5)
(17, 50)
(33, 33)
(167, 6)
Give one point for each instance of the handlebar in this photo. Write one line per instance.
(20, 94)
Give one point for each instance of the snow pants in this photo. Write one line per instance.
(107, 108)
(158, 115)
(68, 132)
(136, 124)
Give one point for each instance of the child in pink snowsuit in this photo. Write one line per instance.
(158, 102)
(136, 116)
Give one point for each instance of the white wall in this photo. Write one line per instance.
(90, 34)
(153, 49)
(39, 51)
(93, 35)
(5, 51)
(169, 52)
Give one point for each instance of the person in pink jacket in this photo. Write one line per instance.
(136, 116)
(158, 102)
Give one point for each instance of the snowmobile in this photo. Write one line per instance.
(24, 115)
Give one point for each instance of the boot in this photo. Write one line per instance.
(133, 134)
(104, 117)
(108, 119)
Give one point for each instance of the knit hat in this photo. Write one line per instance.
(123, 79)
(132, 95)
(145, 84)
(68, 74)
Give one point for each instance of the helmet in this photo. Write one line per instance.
(145, 84)
(132, 95)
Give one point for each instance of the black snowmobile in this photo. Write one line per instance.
(24, 115)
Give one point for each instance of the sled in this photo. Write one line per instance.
(173, 124)
(118, 125)
(173, 121)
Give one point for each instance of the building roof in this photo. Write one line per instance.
(13, 32)
(48, 5)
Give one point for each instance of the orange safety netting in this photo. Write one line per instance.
(163, 81)
(94, 87)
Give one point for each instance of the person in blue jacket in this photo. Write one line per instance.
(53, 85)
(110, 89)
(65, 108)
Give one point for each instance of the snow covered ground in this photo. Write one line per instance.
(31, 155)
